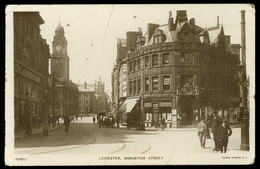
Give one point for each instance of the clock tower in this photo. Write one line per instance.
(59, 58)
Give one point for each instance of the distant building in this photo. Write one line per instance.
(65, 91)
(31, 54)
(178, 71)
(87, 98)
(92, 98)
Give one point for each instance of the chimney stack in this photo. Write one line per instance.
(243, 38)
(170, 21)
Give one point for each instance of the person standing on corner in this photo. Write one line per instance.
(66, 123)
(202, 133)
(163, 124)
(94, 119)
(216, 122)
(223, 133)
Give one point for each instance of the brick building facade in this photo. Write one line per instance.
(31, 54)
(178, 71)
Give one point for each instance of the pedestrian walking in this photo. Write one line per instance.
(94, 119)
(76, 117)
(117, 121)
(216, 123)
(45, 128)
(81, 116)
(208, 123)
(223, 134)
(163, 124)
(202, 132)
(100, 121)
(128, 122)
(67, 124)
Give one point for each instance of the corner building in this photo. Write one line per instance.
(178, 71)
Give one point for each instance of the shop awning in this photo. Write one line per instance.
(128, 105)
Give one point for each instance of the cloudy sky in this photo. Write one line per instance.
(100, 25)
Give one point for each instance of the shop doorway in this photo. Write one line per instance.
(187, 116)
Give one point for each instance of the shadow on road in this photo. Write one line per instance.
(81, 134)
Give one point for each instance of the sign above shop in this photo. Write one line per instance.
(165, 104)
(147, 104)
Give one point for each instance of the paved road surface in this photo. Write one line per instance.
(86, 138)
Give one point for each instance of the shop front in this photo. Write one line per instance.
(130, 110)
(156, 110)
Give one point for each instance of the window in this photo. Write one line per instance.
(139, 86)
(130, 88)
(147, 84)
(166, 83)
(203, 81)
(166, 60)
(182, 61)
(155, 83)
(135, 65)
(135, 91)
(186, 80)
(148, 116)
(130, 66)
(146, 61)
(155, 60)
(138, 64)
(86, 102)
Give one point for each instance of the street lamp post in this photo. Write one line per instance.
(244, 85)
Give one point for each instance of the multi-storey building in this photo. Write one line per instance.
(101, 96)
(178, 71)
(87, 98)
(65, 91)
(31, 54)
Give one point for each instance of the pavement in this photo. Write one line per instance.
(36, 131)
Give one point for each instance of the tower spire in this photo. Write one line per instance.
(217, 20)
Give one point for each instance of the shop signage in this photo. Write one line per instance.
(147, 104)
(155, 105)
(174, 112)
(165, 104)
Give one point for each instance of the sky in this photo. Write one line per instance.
(101, 25)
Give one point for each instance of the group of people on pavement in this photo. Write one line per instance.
(106, 121)
(220, 130)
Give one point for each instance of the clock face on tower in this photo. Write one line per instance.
(58, 47)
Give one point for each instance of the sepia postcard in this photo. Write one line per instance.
(150, 84)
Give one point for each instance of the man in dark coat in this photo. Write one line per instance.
(216, 122)
(223, 133)
(66, 123)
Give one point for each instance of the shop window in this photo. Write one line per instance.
(169, 116)
(166, 83)
(148, 116)
(146, 61)
(155, 84)
(155, 60)
(166, 59)
(147, 84)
